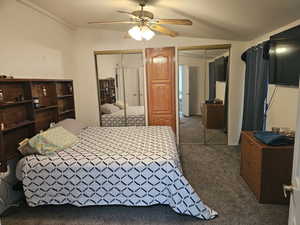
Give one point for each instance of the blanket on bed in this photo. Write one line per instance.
(135, 116)
(132, 166)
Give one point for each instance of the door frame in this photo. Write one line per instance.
(199, 47)
(295, 179)
(186, 89)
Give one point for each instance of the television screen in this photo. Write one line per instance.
(285, 58)
(220, 69)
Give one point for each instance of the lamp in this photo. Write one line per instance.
(141, 33)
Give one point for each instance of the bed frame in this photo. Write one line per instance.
(21, 117)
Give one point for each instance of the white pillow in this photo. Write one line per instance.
(121, 104)
(109, 108)
(71, 125)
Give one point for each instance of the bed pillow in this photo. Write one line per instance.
(109, 108)
(25, 149)
(71, 125)
(121, 104)
(52, 140)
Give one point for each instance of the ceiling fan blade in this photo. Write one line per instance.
(163, 30)
(112, 22)
(129, 13)
(173, 21)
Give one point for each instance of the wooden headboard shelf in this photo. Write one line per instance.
(22, 117)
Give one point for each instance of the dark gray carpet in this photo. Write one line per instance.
(214, 173)
(191, 130)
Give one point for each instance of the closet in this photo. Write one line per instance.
(120, 77)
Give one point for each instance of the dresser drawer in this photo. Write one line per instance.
(251, 159)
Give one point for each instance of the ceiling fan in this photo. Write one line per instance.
(145, 23)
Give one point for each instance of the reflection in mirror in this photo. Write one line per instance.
(215, 107)
(201, 91)
(134, 89)
(121, 90)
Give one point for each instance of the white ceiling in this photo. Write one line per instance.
(219, 19)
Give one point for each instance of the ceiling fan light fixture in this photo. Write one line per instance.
(147, 33)
(135, 33)
(141, 33)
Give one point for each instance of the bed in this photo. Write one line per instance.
(135, 117)
(131, 166)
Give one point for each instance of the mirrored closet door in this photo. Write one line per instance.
(202, 95)
(121, 89)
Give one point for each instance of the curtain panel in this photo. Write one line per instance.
(256, 87)
(212, 81)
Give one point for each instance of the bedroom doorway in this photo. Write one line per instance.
(120, 81)
(202, 95)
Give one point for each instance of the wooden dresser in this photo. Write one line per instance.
(213, 116)
(266, 168)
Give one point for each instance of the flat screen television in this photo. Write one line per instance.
(221, 69)
(285, 58)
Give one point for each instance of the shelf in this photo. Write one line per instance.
(65, 96)
(66, 112)
(14, 103)
(18, 125)
(45, 108)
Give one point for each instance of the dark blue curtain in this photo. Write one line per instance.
(212, 81)
(256, 86)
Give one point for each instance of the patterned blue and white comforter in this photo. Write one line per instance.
(135, 116)
(132, 166)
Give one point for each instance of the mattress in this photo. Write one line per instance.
(131, 166)
(135, 117)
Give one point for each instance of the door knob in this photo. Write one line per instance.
(287, 188)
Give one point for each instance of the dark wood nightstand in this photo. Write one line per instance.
(266, 168)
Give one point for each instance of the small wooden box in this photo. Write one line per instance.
(266, 168)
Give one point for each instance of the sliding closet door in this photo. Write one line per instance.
(161, 86)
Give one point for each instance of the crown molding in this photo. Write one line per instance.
(45, 12)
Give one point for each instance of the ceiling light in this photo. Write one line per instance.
(147, 33)
(141, 33)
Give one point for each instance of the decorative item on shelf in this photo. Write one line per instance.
(70, 88)
(36, 102)
(218, 101)
(276, 130)
(2, 126)
(5, 76)
(1, 96)
(44, 91)
(284, 131)
(19, 98)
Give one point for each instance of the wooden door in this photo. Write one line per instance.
(160, 69)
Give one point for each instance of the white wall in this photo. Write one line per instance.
(220, 90)
(31, 46)
(108, 63)
(90, 40)
(197, 89)
(283, 112)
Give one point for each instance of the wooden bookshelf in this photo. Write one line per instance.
(107, 90)
(65, 100)
(20, 115)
